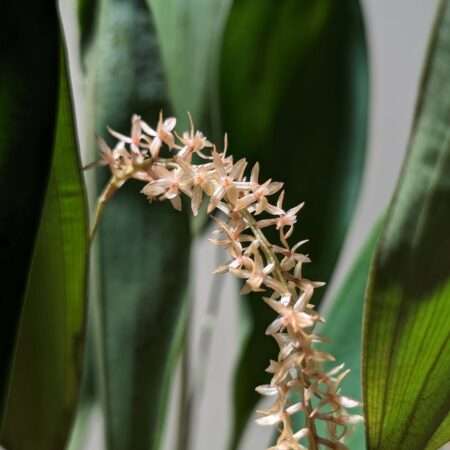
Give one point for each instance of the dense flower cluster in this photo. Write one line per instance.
(275, 270)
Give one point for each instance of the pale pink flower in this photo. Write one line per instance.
(289, 317)
(136, 139)
(120, 163)
(284, 219)
(232, 231)
(168, 184)
(258, 272)
(225, 177)
(199, 179)
(258, 192)
(290, 257)
(239, 260)
(193, 142)
(162, 134)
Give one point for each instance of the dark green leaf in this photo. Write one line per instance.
(294, 91)
(406, 362)
(27, 120)
(143, 249)
(46, 371)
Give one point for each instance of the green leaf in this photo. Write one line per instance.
(190, 35)
(406, 361)
(143, 249)
(45, 375)
(27, 117)
(294, 90)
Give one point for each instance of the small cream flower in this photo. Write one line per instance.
(225, 177)
(162, 134)
(135, 139)
(291, 259)
(168, 184)
(256, 198)
(193, 142)
(284, 219)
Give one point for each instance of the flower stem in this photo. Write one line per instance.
(309, 421)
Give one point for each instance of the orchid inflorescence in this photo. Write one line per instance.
(299, 383)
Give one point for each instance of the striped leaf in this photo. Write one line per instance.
(406, 342)
(45, 375)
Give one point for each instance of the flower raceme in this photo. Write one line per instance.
(299, 383)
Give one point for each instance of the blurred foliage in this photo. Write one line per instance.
(28, 100)
(406, 363)
(47, 363)
(190, 35)
(139, 309)
(294, 92)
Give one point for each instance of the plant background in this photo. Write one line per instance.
(398, 33)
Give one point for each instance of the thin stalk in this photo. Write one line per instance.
(310, 424)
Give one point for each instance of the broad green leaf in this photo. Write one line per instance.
(294, 92)
(143, 249)
(190, 35)
(45, 375)
(27, 118)
(406, 362)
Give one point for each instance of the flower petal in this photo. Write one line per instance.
(271, 419)
(267, 389)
